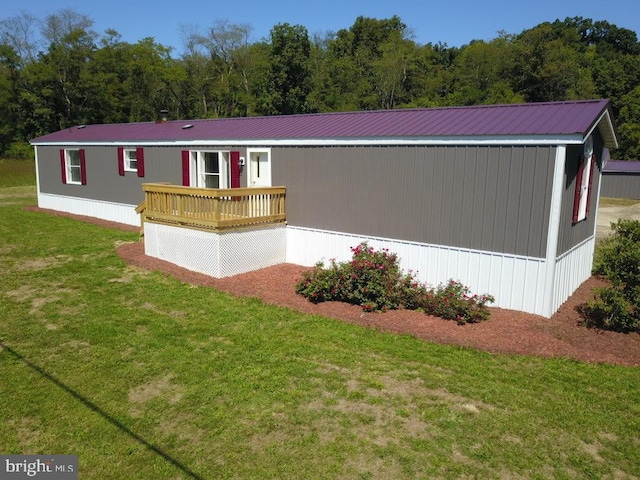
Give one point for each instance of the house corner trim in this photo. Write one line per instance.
(554, 230)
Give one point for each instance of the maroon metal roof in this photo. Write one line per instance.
(622, 166)
(552, 118)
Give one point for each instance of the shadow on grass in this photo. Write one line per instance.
(114, 421)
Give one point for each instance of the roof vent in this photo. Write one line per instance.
(186, 127)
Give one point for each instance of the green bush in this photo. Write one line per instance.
(617, 258)
(19, 151)
(373, 279)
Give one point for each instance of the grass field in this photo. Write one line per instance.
(17, 173)
(617, 202)
(144, 377)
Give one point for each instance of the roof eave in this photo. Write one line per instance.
(567, 139)
(606, 128)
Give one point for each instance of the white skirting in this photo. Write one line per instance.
(516, 282)
(216, 254)
(114, 212)
(572, 269)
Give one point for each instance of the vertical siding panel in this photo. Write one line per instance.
(529, 283)
(448, 195)
(429, 212)
(380, 189)
(479, 198)
(507, 279)
(458, 213)
(513, 200)
(445, 266)
(395, 191)
(535, 288)
(437, 188)
(516, 284)
(466, 274)
(496, 274)
(413, 195)
(466, 196)
(491, 191)
(540, 201)
(525, 230)
(485, 277)
(327, 194)
(499, 240)
(474, 273)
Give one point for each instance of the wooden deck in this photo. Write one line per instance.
(212, 208)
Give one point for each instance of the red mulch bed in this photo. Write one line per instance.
(507, 331)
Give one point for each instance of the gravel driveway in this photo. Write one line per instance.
(607, 215)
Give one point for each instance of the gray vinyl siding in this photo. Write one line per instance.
(162, 164)
(620, 185)
(485, 198)
(571, 234)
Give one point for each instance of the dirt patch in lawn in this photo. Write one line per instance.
(507, 331)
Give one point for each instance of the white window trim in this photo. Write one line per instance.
(127, 160)
(197, 175)
(69, 168)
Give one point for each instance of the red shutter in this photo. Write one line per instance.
(83, 167)
(186, 157)
(593, 164)
(140, 161)
(235, 169)
(63, 166)
(576, 196)
(121, 161)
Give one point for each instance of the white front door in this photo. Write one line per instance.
(259, 167)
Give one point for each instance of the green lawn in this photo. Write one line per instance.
(145, 377)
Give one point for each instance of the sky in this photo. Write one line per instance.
(454, 22)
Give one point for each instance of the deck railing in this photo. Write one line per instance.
(212, 208)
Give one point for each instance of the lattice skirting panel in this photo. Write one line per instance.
(216, 254)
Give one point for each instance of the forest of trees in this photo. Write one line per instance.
(57, 72)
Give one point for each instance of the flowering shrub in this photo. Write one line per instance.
(453, 301)
(373, 279)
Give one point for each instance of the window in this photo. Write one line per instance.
(584, 181)
(211, 169)
(131, 160)
(73, 166)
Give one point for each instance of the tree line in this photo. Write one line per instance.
(57, 72)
